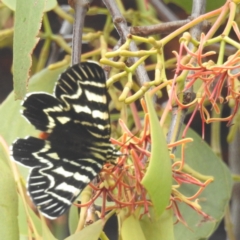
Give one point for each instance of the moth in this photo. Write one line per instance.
(76, 120)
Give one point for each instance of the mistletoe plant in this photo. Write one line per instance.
(168, 183)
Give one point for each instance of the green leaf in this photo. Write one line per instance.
(91, 232)
(158, 229)
(158, 178)
(46, 233)
(214, 199)
(28, 18)
(36, 220)
(131, 229)
(73, 219)
(22, 219)
(8, 201)
(49, 5)
(187, 4)
(39, 225)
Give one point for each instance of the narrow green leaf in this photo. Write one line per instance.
(50, 4)
(91, 232)
(46, 233)
(22, 219)
(28, 18)
(131, 229)
(73, 219)
(8, 201)
(158, 178)
(158, 229)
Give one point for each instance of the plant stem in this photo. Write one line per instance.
(80, 7)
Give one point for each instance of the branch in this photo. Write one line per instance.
(178, 117)
(81, 8)
(167, 27)
(65, 29)
(121, 25)
(164, 13)
(198, 8)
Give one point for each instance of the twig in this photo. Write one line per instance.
(81, 8)
(179, 116)
(198, 8)
(164, 13)
(228, 223)
(234, 153)
(123, 31)
(165, 28)
(65, 29)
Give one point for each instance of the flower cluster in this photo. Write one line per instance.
(121, 184)
(213, 76)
